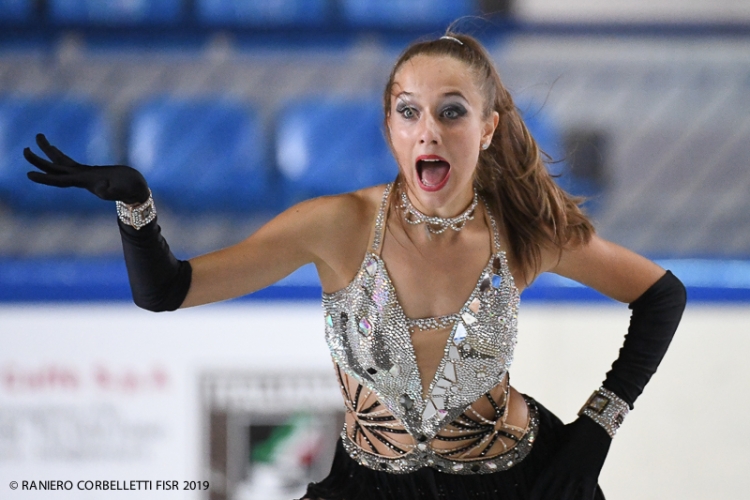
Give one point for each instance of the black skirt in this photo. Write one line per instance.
(349, 480)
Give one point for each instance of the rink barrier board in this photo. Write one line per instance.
(105, 280)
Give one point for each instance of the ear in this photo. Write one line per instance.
(489, 127)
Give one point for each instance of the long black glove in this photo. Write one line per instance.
(158, 281)
(574, 471)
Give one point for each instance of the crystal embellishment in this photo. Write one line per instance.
(474, 306)
(406, 402)
(453, 354)
(497, 280)
(371, 266)
(468, 318)
(429, 411)
(329, 320)
(450, 371)
(460, 334)
(484, 286)
(365, 327)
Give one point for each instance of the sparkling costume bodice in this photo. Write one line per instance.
(369, 337)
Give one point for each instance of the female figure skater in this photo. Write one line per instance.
(421, 281)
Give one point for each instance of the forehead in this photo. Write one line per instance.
(423, 75)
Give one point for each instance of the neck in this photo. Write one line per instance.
(452, 208)
(435, 225)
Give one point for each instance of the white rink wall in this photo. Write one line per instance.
(125, 384)
(665, 11)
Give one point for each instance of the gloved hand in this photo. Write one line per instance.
(573, 473)
(113, 183)
(158, 280)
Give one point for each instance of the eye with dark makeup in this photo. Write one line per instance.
(405, 110)
(453, 111)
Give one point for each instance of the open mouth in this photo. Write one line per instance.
(433, 172)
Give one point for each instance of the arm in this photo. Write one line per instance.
(331, 231)
(326, 231)
(160, 282)
(657, 300)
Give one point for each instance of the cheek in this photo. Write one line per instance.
(400, 144)
(465, 144)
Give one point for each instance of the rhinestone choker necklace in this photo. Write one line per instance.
(437, 225)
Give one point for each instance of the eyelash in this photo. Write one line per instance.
(459, 112)
(402, 110)
(454, 109)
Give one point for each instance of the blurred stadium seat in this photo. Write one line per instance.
(567, 155)
(327, 146)
(406, 13)
(77, 127)
(16, 10)
(116, 12)
(262, 13)
(200, 156)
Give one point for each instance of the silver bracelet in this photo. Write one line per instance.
(606, 409)
(137, 216)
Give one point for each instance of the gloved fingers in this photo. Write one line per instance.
(41, 163)
(47, 166)
(49, 179)
(57, 180)
(53, 153)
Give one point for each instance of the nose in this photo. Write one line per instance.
(429, 130)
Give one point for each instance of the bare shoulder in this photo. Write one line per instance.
(347, 213)
(340, 227)
(334, 218)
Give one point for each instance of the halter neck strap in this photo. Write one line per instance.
(377, 239)
(493, 226)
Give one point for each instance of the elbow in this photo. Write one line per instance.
(158, 302)
(667, 296)
(155, 305)
(166, 296)
(676, 291)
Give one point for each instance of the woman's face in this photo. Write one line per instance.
(437, 127)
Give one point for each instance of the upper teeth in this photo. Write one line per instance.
(431, 159)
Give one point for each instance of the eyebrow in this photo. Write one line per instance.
(454, 93)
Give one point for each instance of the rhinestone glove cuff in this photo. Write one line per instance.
(606, 409)
(137, 216)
